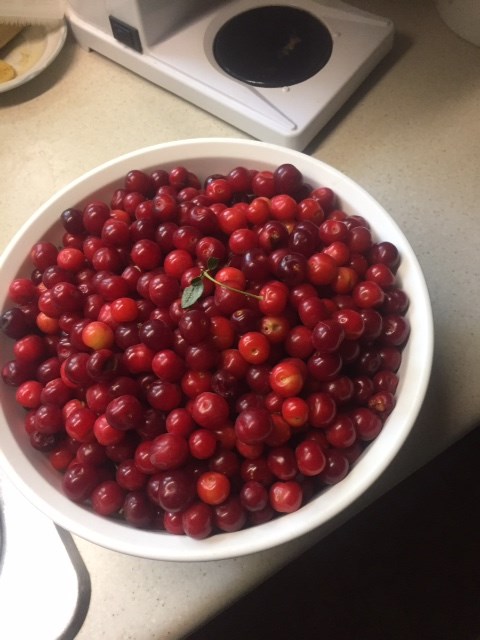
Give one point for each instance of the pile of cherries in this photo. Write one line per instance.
(198, 358)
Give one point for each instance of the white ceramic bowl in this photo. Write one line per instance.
(31, 471)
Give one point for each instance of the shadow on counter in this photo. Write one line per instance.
(406, 568)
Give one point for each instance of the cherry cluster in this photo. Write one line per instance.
(201, 357)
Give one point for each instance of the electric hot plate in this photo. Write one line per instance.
(273, 46)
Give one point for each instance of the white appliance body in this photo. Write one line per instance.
(170, 43)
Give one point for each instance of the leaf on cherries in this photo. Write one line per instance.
(192, 293)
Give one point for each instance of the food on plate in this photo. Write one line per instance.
(7, 33)
(199, 356)
(7, 72)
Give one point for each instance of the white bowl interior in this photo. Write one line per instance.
(31, 471)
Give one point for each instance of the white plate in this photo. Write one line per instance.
(32, 51)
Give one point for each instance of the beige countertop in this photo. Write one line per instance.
(410, 135)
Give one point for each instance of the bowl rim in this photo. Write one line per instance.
(319, 511)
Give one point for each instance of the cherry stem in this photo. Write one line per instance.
(222, 284)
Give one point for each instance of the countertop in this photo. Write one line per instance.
(410, 136)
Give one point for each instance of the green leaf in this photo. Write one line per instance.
(212, 263)
(192, 293)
